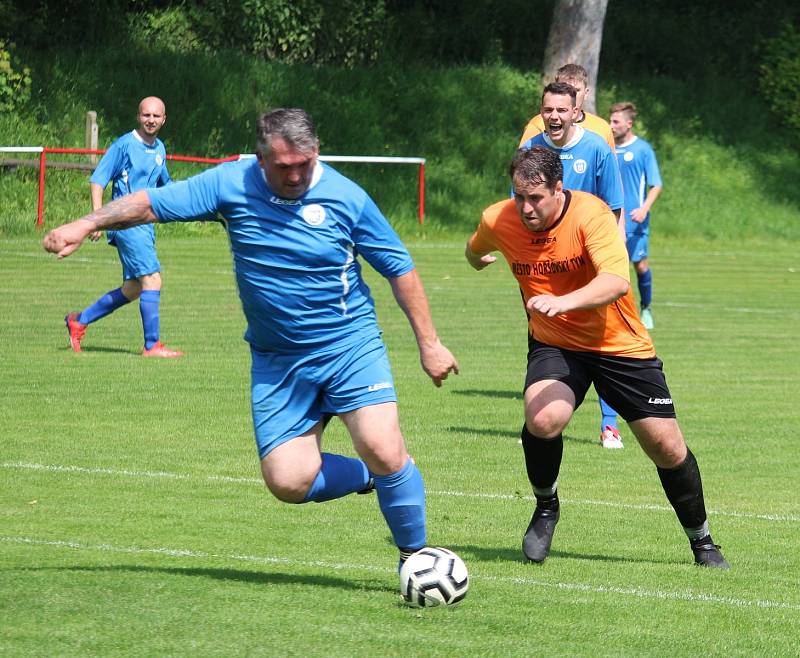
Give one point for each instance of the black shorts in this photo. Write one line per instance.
(635, 388)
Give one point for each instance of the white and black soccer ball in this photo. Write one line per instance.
(433, 576)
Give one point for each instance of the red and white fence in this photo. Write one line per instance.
(43, 152)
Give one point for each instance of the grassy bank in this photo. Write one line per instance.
(720, 181)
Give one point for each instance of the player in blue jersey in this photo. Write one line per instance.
(590, 166)
(298, 230)
(641, 181)
(135, 161)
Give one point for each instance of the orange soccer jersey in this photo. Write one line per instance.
(582, 243)
(590, 122)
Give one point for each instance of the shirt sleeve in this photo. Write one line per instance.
(110, 165)
(482, 241)
(379, 244)
(164, 178)
(609, 180)
(196, 198)
(652, 173)
(605, 246)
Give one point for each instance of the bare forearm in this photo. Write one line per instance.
(96, 194)
(435, 358)
(124, 212)
(604, 289)
(410, 296)
(130, 210)
(652, 195)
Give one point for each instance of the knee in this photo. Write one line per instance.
(289, 487)
(132, 289)
(545, 423)
(151, 281)
(388, 459)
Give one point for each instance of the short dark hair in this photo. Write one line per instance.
(293, 125)
(561, 89)
(537, 166)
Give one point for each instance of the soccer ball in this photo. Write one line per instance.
(433, 576)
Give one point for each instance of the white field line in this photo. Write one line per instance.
(59, 468)
(637, 592)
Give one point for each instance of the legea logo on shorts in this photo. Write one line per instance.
(314, 214)
(579, 166)
(379, 386)
(659, 401)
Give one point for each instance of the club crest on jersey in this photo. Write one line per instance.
(314, 214)
(628, 156)
(579, 166)
(159, 159)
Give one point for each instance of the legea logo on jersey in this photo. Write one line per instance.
(628, 156)
(314, 214)
(579, 166)
(159, 159)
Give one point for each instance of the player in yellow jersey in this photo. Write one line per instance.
(575, 75)
(572, 268)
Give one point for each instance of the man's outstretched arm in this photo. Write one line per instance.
(130, 210)
(436, 359)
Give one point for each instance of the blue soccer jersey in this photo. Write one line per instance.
(133, 165)
(639, 168)
(589, 165)
(296, 260)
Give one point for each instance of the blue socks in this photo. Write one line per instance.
(338, 477)
(108, 303)
(609, 415)
(401, 497)
(149, 303)
(645, 282)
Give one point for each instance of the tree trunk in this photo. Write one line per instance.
(575, 37)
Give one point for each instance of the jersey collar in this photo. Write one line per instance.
(575, 139)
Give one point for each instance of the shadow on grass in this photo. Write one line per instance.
(484, 554)
(483, 393)
(493, 433)
(235, 575)
(105, 350)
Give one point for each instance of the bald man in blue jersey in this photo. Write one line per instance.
(590, 166)
(135, 161)
(298, 230)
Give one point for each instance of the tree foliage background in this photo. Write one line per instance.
(755, 42)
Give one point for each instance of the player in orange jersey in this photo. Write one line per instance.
(572, 268)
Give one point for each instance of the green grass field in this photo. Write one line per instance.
(133, 521)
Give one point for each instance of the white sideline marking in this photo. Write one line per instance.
(58, 468)
(266, 559)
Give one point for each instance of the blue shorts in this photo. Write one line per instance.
(136, 247)
(290, 393)
(637, 245)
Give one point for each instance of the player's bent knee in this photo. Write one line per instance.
(289, 492)
(288, 487)
(545, 423)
